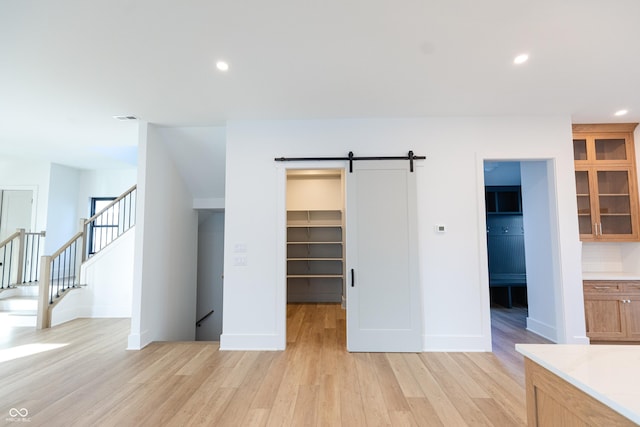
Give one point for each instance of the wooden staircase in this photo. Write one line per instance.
(19, 305)
(31, 286)
(60, 272)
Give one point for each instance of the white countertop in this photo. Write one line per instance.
(608, 373)
(610, 276)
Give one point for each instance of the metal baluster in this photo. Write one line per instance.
(58, 281)
(53, 263)
(67, 273)
(102, 233)
(10, 262)
(4, 264)
(34, 239)
(37, 258)
(113, 214)
(130, 195)
(76, 280)
(124, 212)
(26, 258)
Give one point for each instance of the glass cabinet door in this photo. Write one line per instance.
(579, 149)
(606, 183)
(585, 221)
(614, 202)
(610, 149)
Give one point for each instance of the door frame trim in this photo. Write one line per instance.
(281, 240)
(34, 204)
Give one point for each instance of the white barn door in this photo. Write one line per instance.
(383, 294)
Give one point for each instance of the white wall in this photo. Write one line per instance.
(454, 277)
(315, 192)
(501, 173)
(165, 260)
(210, 271)
(62, 217)
(538, 200)
(27, 174)
(102, 183)
(109, 279)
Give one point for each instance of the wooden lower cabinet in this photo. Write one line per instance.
(612, 310)
(551, 401)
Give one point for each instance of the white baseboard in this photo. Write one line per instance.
(138, 341)
(540, 328)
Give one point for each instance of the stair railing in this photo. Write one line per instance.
(64, 267)
(19, 255)
(9, 250)
(110, 223)
(33, 246)
(60, 272)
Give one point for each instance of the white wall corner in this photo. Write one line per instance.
(542, 329)
(138, 341)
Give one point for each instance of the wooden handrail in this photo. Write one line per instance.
(10, 238)
(36, 233)
(66, 245)
(110, 205)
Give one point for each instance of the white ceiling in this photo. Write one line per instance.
(68, 66)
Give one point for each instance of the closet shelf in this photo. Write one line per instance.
(315, 251)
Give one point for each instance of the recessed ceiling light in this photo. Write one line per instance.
(222, 66)
(621, 112)
(521, 59)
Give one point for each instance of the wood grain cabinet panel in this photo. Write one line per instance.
(632, 316)
(552, 401)
(612, 310)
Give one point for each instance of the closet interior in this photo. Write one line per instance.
(315, 236)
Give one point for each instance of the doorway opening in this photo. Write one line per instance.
(210, 272)
(521, 243)
(15, 211)
(315, 250)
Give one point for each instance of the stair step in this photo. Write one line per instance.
(21, 303)
(28, 289)
(8, 319)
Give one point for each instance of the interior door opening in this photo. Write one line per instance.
(210, 275)
(315, 247)
(15, 211)
(519, 199)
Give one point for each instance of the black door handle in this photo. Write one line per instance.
(353, 282)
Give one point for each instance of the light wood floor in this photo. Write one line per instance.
(93, 381)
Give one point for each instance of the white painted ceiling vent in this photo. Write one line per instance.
(125, 117)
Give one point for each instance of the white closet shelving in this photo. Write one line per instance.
(315, 255)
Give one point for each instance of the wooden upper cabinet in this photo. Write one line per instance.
(606, 183)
